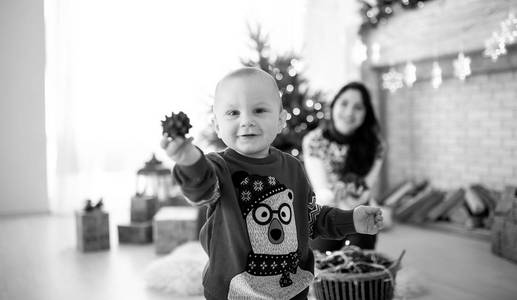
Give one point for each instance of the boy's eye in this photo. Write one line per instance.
(260, 110)
(232, 113)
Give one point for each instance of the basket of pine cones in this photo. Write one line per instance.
(354, 274)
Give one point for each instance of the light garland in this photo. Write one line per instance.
(495, 46)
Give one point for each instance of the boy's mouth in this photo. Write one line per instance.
(247, 135)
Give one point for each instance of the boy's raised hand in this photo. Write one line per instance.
(367, 219)
(180, 149)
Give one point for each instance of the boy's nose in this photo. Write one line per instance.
(247, 121)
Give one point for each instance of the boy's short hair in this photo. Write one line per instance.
(248, 72)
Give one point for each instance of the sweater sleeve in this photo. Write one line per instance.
(198, 182)
(328, 222)
(334, 223)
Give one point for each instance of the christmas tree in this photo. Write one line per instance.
(304, 107)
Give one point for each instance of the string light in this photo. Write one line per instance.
(360, 52)
(436, 75)
(309, 103)
(297, 65)
(462, 66)
(317, 106)
(375, 52)
(409, 74)
(296, 111)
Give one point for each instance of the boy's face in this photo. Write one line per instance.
(248, 114)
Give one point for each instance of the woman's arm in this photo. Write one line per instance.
(317, 175)
(372, 176)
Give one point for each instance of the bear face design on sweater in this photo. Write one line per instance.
(272, 265)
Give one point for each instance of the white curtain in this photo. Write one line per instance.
(116, 67)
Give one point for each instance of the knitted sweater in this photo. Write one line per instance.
(324, 160)
(261, 215)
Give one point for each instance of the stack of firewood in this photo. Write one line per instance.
(419, 202)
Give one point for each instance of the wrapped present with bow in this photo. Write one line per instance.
(92, 227)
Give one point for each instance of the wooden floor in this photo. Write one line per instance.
(38, 260)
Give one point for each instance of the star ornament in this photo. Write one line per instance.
(392, 80)
(509, 29)
(462, 66)
(495, 46)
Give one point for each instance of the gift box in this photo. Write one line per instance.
(504, 227)
(173, 226)
(143, 208)
(92, 230)
(135, 233)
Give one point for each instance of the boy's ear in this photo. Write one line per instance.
(282, 120)
(215, 126)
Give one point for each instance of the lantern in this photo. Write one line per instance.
(154, 180)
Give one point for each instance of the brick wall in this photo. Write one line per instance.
(458, 134)
(462, 132)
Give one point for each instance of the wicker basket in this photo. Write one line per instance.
(378, 285)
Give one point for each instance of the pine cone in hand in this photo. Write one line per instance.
(177, 125)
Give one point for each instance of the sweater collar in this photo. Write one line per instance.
(272, 157)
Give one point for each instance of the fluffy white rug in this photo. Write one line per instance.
(409, 284)
(180, 272)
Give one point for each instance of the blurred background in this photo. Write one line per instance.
(86, 83)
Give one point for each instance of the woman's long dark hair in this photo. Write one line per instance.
(364, 141)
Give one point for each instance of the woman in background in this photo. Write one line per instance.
(343, 158)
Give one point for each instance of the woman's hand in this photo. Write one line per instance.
(354, 189)
(348, 195)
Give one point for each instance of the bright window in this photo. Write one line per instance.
(116, 67)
